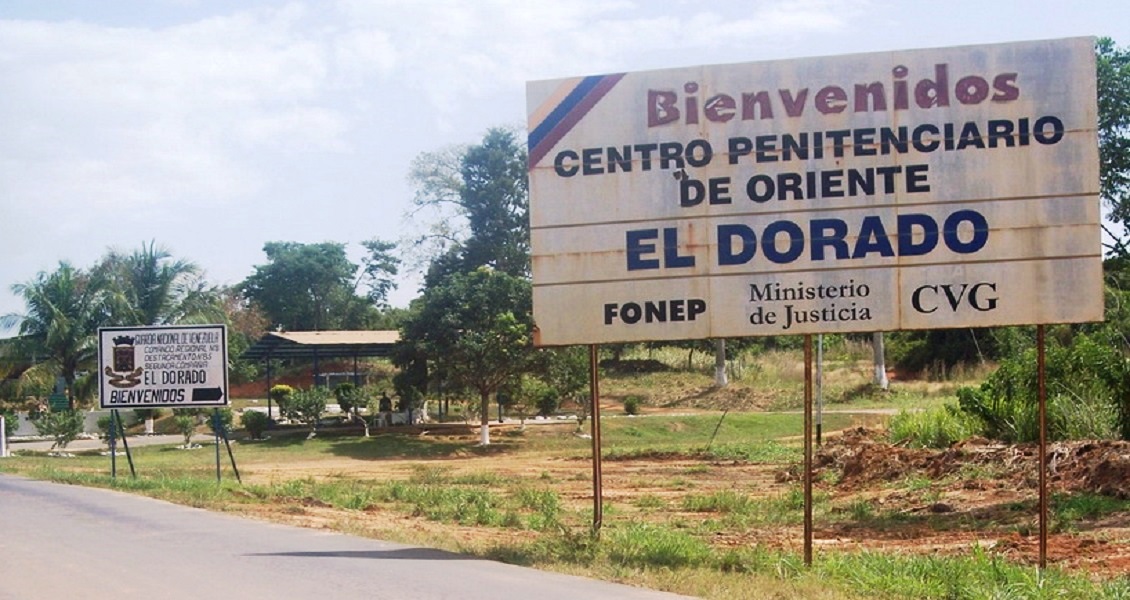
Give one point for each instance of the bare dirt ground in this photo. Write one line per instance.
(875, 497)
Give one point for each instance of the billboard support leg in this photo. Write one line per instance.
(112, 443)
(231, 456)
(216, 427)
(808, 450)
(1043, 450)
(594, 399)
(125, 444)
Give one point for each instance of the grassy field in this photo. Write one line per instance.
(671, 493)
(697, 500)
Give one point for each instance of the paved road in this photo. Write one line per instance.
(59, 541)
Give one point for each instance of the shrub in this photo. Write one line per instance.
(548, 402)
(104, 424)
(307, 406)
(255, 423)
(281, 394)
(185, 425)
(348, 397)
(632, 405)
(1089, 370)
(226, 417)
(935, 428)
(64, 426)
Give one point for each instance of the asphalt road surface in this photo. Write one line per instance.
(59, 541)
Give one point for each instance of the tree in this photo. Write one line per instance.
(65, 308)
(478, 200)
(307, 406)
(378, 268)
(476, 328)
(246, 324)
(495, 196)
(1113, 72)
(566, 372)
(150, 288)
(306, 287)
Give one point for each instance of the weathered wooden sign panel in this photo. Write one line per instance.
(953, 187)
(163, 366)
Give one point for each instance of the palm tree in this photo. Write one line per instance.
(64, 311)
(153, 289)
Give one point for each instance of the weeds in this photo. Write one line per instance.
(933, 428)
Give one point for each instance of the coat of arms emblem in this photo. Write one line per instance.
(124, 374)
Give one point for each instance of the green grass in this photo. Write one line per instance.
(1067, 510)
(655, 553)
(672, 548)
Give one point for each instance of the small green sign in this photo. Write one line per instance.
(57, 402)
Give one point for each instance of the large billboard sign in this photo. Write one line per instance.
(953, 187)
(154, 367)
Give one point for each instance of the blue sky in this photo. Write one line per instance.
(213, 127)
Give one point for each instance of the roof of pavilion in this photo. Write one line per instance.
(322, 344)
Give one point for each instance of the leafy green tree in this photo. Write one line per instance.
(306, 287)
(496, 197)
(478, 200)
(476, 328)
(307, 407)
(566, 372)
(378, 268)
(64, 310)
(1113, 72)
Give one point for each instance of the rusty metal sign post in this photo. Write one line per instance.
(1043, 450)
(594, 398)
(808, 450)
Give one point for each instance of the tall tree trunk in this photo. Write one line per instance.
(720, 379)
(484, 420)
(880, 361)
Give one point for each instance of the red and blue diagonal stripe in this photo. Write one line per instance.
(572, 108)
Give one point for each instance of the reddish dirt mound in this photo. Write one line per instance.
(862, 459)
(1099, 467)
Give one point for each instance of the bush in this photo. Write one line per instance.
(348, 397)
(935, 428)
(307, 406)
(226, 418)
(256, 423)
(632, 405)
(1089, 370)
(281, 394)
(185, 425)
(105, 422)
(548, 402)
(64, 426)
